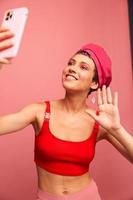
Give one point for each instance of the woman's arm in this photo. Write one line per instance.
(16, 121)
(19, 120)
(124, 139)
(118, 144)
(109, 119)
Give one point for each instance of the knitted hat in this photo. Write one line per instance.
(102, 62)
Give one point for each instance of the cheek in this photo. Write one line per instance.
(86, 77)
(86, 80)
(64, 70)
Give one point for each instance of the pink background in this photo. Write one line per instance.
(54, 31)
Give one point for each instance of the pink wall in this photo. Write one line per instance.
(55, 30)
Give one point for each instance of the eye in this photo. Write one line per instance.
(84, 67)
(70, 63)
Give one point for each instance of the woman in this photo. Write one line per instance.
(67, 130)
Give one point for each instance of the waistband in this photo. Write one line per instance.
(87, 192)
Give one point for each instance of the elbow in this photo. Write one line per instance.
(131, 159)
(131, 162)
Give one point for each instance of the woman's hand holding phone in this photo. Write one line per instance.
(5, 43)
(14, 21)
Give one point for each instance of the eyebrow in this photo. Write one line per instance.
(80, 62)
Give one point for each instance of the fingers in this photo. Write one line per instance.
(104, 96)
(5, 61)
(99, 97)
(5, 35)
(2, 28)
(5, 44)
(109, 95)
(116, 99)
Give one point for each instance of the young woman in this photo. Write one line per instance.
(67, 130)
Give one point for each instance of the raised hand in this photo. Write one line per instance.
(108, 116)
(5, 34)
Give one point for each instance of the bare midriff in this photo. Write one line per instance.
(60, 184)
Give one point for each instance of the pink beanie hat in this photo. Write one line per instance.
(102, 62)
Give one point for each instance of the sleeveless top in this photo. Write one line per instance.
(70, 158)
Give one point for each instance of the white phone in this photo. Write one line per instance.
(15, 20)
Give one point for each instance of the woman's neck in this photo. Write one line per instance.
(74, 103)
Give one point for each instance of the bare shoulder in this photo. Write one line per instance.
(32, 110)
(39, 107)
(35, 107)
(39, 110)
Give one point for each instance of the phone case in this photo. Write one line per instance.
(15, 20)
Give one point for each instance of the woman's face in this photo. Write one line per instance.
(78, 74)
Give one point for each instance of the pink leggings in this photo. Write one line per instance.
(88, 193)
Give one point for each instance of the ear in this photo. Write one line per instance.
(94, 85)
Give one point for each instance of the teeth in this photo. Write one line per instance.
(70, 77)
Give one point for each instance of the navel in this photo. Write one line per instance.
(65, 192)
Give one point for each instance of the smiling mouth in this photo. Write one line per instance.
(71, 77)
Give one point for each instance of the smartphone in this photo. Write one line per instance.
(15, 20)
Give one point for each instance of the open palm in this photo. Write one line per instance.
(108, 116)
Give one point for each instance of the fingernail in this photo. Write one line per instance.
(10, 44)
(11, 33)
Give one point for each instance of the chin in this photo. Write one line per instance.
(69, 88)
(73, 86)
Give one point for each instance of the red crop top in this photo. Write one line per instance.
(63, 157)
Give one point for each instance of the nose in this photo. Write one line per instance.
(71, 70)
